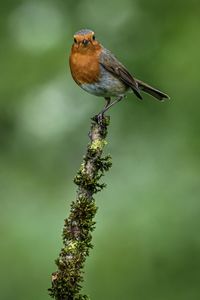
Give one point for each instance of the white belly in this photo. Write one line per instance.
(107, 86)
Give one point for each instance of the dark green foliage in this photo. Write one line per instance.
(66, 282)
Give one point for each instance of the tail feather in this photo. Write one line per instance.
(152, 91)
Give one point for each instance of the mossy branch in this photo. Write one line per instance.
(66, 281)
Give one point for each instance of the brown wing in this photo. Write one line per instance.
(111, 64)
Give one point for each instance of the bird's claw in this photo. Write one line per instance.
(99, 118)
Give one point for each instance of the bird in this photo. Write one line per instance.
(97, 71)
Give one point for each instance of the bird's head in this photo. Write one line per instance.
(85, 40)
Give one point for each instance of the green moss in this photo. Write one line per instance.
(78, 227)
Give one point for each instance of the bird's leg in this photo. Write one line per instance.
(108, 99)
(99, 117)
(108, 105)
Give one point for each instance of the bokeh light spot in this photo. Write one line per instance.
(37, 26)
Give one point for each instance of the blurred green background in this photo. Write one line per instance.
(147, 242)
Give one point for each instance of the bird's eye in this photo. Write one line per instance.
(93, 37)
(75, 40)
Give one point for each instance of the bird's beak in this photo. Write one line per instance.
(85, 42)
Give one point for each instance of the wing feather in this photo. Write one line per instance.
(112, 65)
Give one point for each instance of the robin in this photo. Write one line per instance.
(96, 70)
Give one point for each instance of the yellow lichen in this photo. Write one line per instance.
(98, 144)
(72, 246)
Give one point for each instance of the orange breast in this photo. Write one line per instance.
(84, 65)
